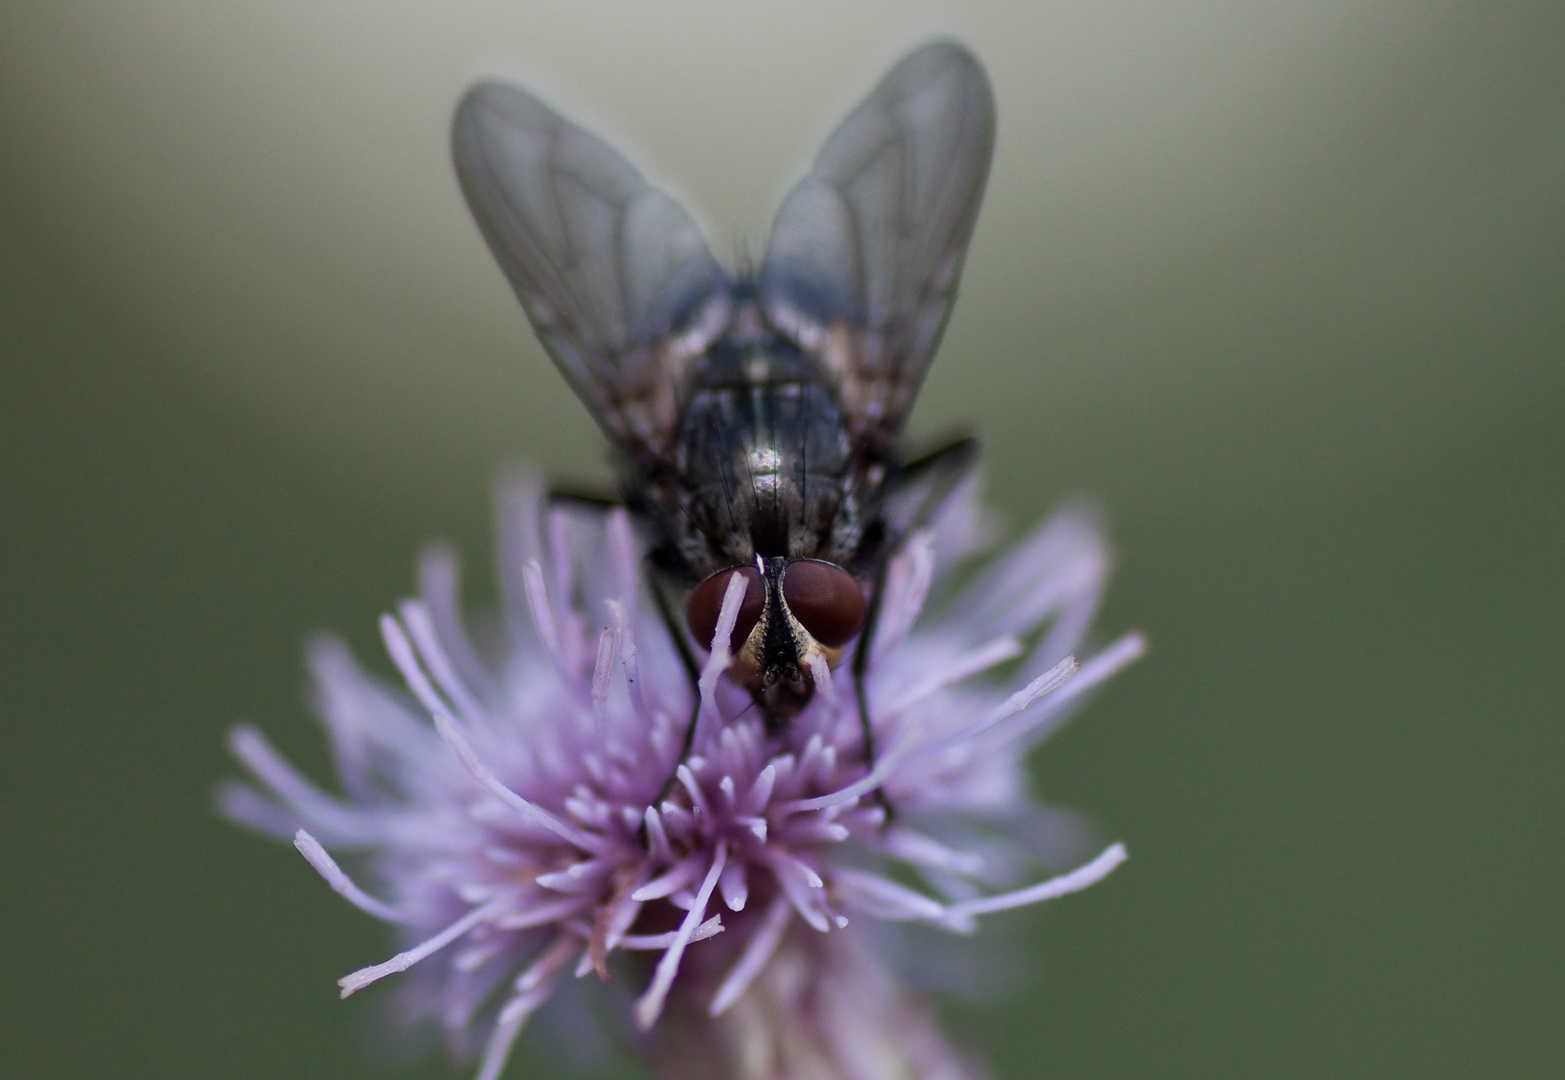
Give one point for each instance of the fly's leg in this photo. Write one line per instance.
(687, 658)
(593, 500)
(583, 497)
(860, 692)
(939, 471)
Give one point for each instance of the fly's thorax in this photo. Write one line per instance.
(764, 459)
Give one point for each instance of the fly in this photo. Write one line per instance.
(755, 415)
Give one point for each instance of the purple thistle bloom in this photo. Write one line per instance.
(504, 808)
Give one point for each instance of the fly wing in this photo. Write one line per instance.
(615, 276)
(865, 254)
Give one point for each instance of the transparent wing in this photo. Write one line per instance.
(615, 276)
(865, 254)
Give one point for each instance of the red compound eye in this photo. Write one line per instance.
(825, 599)
(706, 604)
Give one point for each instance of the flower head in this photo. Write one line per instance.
(511, 805)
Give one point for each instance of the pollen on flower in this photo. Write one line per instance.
(509, 806)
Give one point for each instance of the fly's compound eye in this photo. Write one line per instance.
(825, 599)
(706, 604)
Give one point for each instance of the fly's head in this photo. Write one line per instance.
(794, 612)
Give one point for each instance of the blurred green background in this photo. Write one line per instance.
(1282, 284)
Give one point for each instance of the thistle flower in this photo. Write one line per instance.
(506, 805)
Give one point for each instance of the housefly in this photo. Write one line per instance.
(755, 415)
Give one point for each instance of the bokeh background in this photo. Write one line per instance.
(1281, 284)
